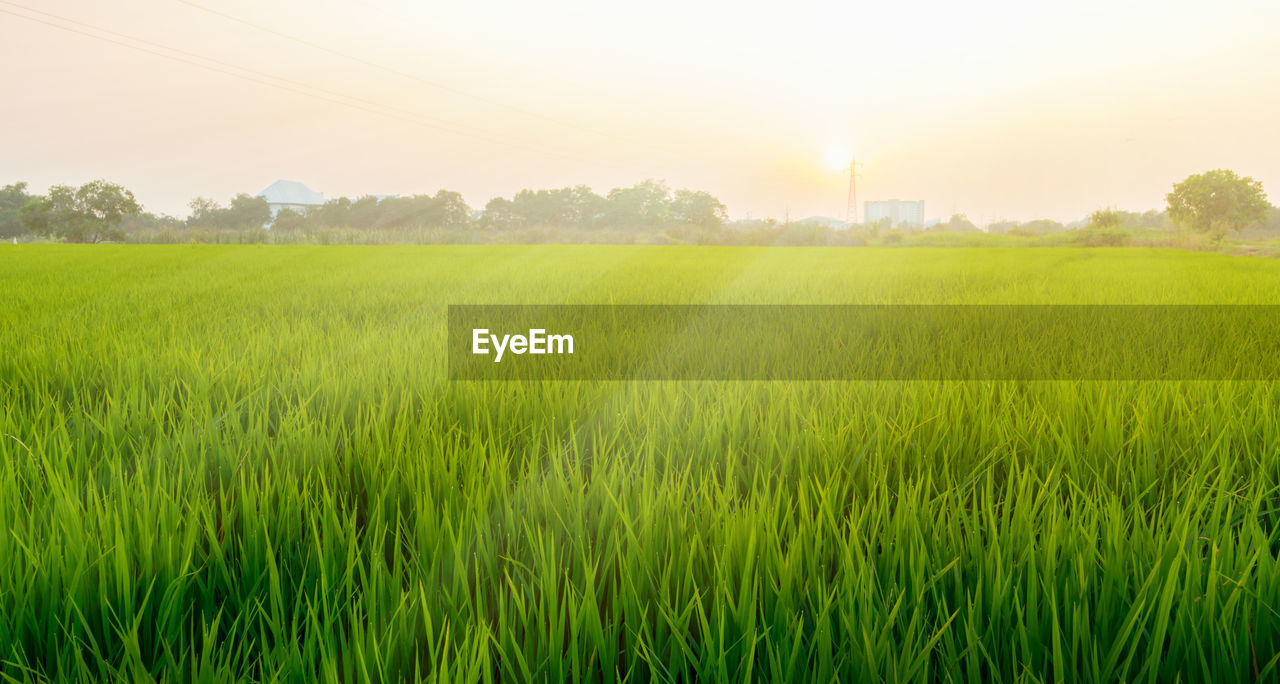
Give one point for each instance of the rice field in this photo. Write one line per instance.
(224, 463)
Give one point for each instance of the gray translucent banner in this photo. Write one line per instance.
(855, 342)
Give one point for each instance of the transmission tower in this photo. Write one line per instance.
(851, 211)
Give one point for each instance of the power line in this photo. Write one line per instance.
(626, 102)
(225, 64)
(404, 74)
(322, 94)
(566, 81)
(678, 155)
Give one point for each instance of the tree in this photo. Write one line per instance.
(1272, 226)
(958, 223)
(645, 204)
(203, 212)
(1106, 219)
(91, 213)
(698, 208)
(1218, 202)
(35, 216)
(1147, 220)
(148, 222)
(576, 207)
(1040, 227)
(543, 208)
(587, 206)
(289, 219)
(415, 211)
(336, 213)
(247, 211)
(366, 213)
(12, 199)
(449, 210)
(499, 214)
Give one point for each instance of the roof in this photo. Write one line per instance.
(290, 192)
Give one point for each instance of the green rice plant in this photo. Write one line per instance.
(225, 463)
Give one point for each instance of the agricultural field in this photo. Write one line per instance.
(247, 462)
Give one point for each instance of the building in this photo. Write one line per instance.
(898, 212)
(284, 194)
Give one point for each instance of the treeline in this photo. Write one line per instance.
(650, 204)
(647, 205)
(1209, 206)
(1151, 220)
(444, 210)
(93, 212)
(102, 211)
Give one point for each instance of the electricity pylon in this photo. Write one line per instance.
(851, 211)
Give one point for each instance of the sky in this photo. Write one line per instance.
(997, 110)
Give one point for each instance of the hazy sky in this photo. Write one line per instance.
(994, 109)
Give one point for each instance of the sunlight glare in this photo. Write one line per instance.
(838, 158)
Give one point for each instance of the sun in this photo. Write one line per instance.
(838, 158)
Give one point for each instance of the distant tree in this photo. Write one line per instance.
(36, 216)
(1148, 220)
(698, 208)
(91, 213)
(957, 223)
(147, 221)
(247, 211)
(368, 212)
(394, 213)
(499, 214)
(645, 204)
(204, 212)
(244, 211)
(1105, 228)
(1106, 219)
(575, 207)
(649, 204)
(1272, 226)
(336, 213)
(449, 210)
(1002, 227)
(878, 227)
(12, 199)
(289, 219)
(416, 211)
(1218, 202)
(804, 233)
(542, 207)
(587, 208)
(1040, 227)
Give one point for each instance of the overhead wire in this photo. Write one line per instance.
(280, 82)
(425, 81)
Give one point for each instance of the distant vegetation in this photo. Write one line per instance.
(1219, 202)
(94, 212)
(1202, 212)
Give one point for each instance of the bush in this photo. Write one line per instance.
(798, 234)
(1102, 237)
